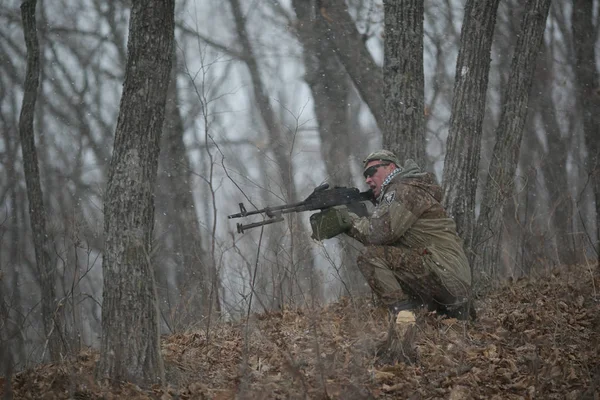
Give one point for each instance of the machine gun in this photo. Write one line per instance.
(321, 198)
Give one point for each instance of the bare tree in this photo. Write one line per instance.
(130, 343)
(555, 163)
(403, 82)
(6, 335)
(329, 86)
(461, 164)
(82, 69)
(261, 96)
(183, 253)
(282, 148)
(588, 96)
(41, 240)
(350, 48)
(500, 182)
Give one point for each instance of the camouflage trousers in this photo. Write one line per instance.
(396, 274)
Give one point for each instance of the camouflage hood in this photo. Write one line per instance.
(411, 174)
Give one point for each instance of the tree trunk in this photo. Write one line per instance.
(588, 96)
(41, 240)
(403, 82)
(6, 335)
(10, 278)
(280, 145)
(328, 85)
(554, 165)
(130, 343)
(500, 183)
(461, 165)
(347, 44)
(177, 219)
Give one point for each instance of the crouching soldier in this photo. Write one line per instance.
(413, 256)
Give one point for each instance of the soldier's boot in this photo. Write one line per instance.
(463, 312)
(404, 319)
(400, 343)
(402, 305)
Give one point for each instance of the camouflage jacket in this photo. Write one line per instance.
(409, 214)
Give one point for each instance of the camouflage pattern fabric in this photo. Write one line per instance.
(383, 155)
(410, 235)
(395, 274)
(329, 223)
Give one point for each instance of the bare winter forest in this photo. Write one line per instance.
(130, 130)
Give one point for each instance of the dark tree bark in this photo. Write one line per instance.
(347, 44)
(403, 82)
(130, 343)
(588, 96)
(6, 335)
(461, 165)
(500, 182)
(41, 240)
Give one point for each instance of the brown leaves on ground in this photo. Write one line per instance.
(535, 338)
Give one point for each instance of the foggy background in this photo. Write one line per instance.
(218, 149)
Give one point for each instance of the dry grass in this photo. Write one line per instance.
(536, 338)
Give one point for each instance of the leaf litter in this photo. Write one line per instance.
(535, 338)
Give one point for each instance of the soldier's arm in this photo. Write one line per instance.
(359, 229)
(390, 220)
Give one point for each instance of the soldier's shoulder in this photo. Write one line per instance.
(414, 193)
(398, 190)
(402, 184)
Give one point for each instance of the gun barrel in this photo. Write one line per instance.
(321, 198)
(269, 211)
(244, 213)
(241, 227)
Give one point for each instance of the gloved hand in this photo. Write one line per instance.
(331, 222)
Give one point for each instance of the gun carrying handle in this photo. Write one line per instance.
(241, 227)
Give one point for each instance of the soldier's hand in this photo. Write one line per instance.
(331, 222)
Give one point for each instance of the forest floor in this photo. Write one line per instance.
(536, 338)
